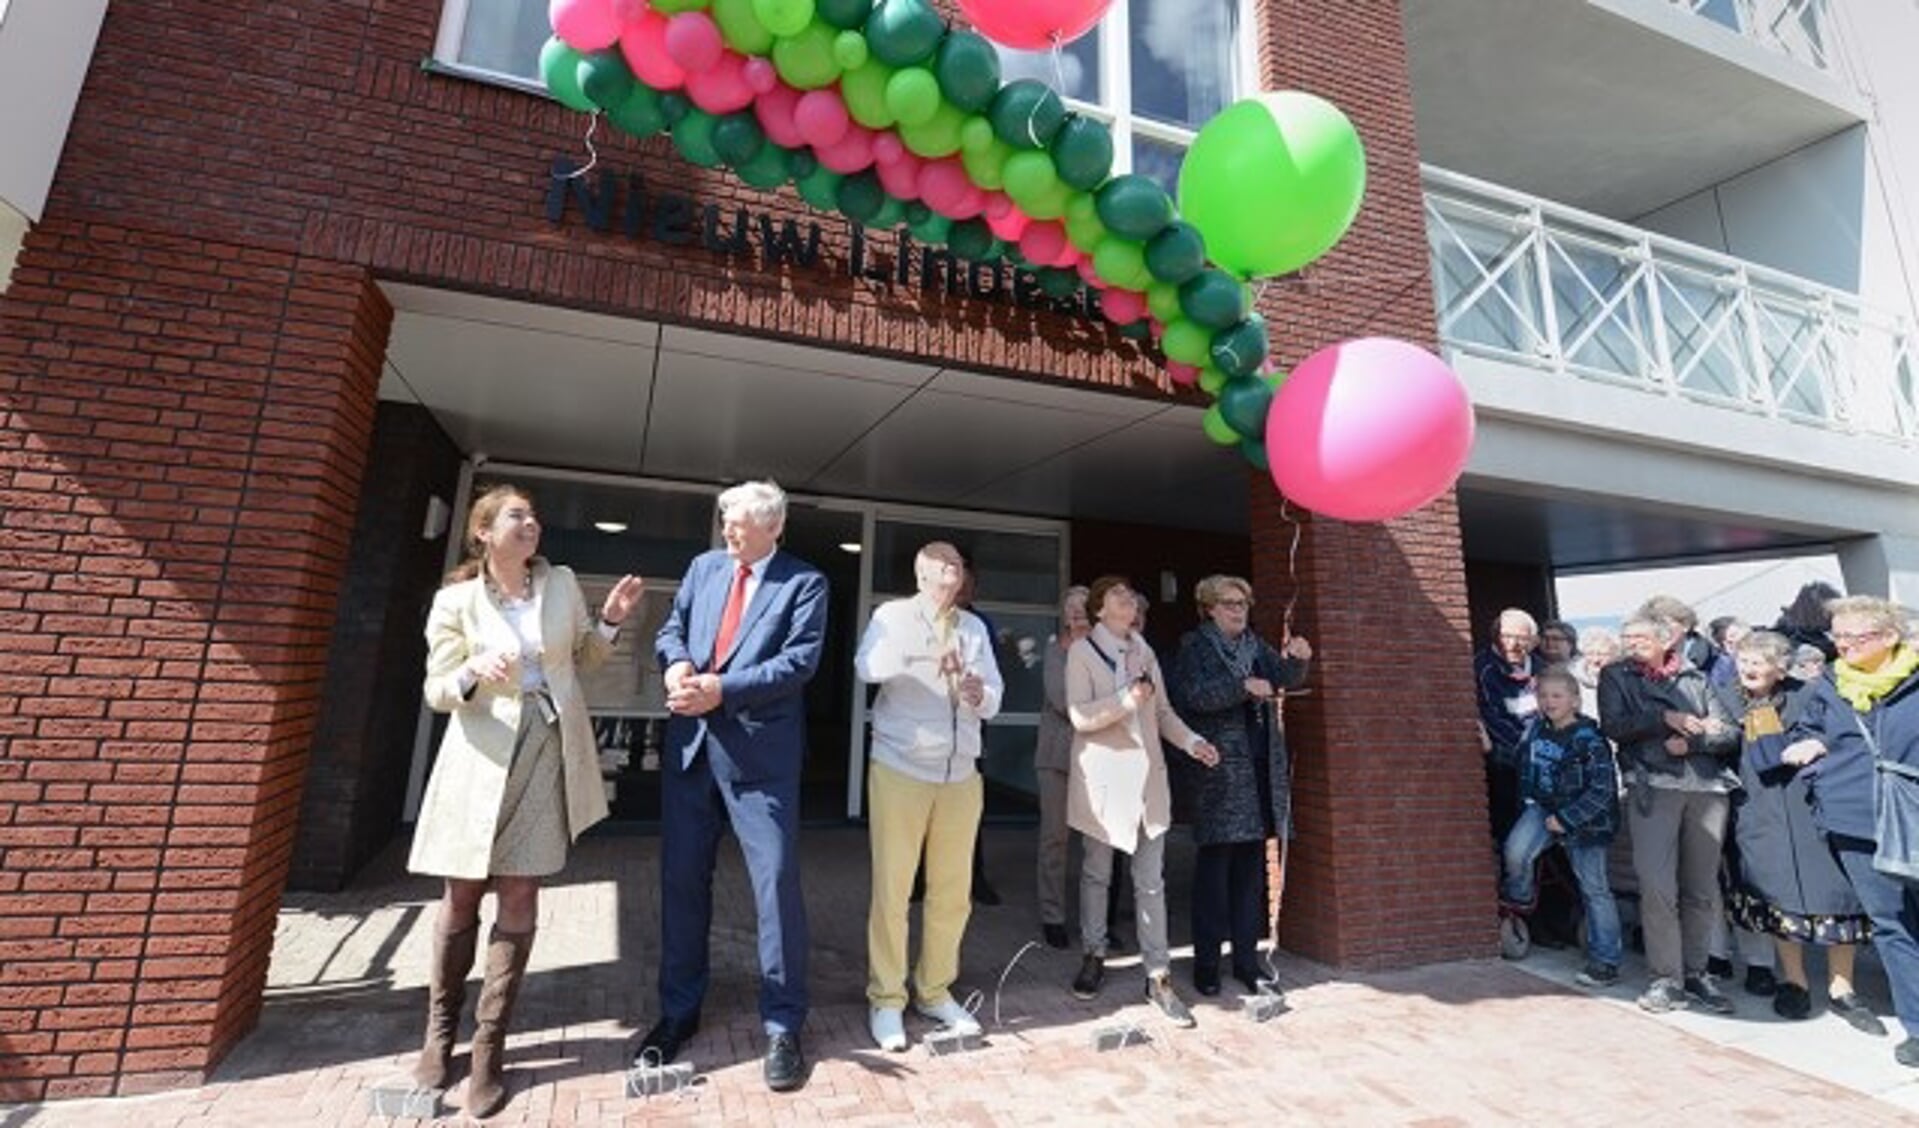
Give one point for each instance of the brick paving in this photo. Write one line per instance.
(1475, 1042)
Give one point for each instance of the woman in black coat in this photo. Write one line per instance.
(1226, 682)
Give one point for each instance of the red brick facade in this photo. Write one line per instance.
(188, 362)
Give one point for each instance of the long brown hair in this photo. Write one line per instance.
(486, 509)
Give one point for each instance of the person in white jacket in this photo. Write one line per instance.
(937, 678)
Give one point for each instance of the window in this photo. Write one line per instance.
(498, 40)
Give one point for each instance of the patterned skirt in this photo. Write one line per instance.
(531, 838)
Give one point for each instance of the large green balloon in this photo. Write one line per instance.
(640, 114)
(1083, 152)
(1272, 182)
(784, 17)
(605, 79)
(1213, 299)
(806, 60)
(1162, 301)
(560, 67)
(845, 14)
(741, 28)
(972, 240)
(937, 136)
(767, 170)
(1120, 262)
(968, 70)
(1240, 349)
(1026, 113)
(1243, 403)
(1176, 254)
(987, 167)
(1134, 206)
(864, 91)
(693, 137)
(913, 95)
(1217, 429)
(1030, 178)
(861, 197)
(1083, 228)
(737, 138)
(903, 33)
(820, 188)
(1185, 342)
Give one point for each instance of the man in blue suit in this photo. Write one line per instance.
(738, 648)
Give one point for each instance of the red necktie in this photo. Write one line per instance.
(730, 618)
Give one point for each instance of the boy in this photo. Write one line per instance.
(1568, 791)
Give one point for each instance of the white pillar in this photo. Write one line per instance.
(1883, 564)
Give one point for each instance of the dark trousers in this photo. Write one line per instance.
(1893, 906)
(1229, 903)
(696, 809)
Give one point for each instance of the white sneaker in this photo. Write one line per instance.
(889, 1028)
(950, 1015)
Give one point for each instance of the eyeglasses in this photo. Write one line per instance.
(1854, 638)
(1504, 637)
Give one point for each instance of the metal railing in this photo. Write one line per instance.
(1551, 287)
(1798, 29)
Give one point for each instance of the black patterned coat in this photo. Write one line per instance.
(1226, 801)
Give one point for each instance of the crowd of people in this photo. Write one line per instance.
(1763, 782)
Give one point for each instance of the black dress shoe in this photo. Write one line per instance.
(1206, 980)
(785, 1064)
(1249, 978)
(662, 1043)
(1055, 935)
(984, 893)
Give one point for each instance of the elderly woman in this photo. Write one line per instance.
(1865, 722)
(1227, 682)
(1051, 754)
(1117, 793)
(517, 779)
(1784, 881)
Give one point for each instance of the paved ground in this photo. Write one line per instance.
(1479, 1042)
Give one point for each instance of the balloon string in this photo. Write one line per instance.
(592, 154)
(1059, 64)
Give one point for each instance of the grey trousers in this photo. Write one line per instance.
(1054, 838)
(1677, 837)
(1149, 899)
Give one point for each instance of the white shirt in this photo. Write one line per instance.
(920, 726)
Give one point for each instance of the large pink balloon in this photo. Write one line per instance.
(945, 188)
(1368, 430)
(1009, 224)
(851, 153)
(1041, 241)
(1033, 25)
(643, 43)
(822, 118)
(776, 109)
(694, 42)
(1122, 307)
(901, 177)
(722, 87)
(585, 25)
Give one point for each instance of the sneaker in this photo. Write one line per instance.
(889, 1028)
(1597, 974)
(1664, 995)
(1760, 982)
(1055, 935)
(1907, 1052)
(1719, 967)
(950, 1015)
(1092, 973)
(1858, 1015)
(1160, 993)
(1792, 1002)
(1702, 990)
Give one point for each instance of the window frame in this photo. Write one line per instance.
(446, 52)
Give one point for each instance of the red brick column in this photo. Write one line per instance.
(1391, 865)
(182, 431)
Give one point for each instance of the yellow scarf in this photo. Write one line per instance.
(1861, 689)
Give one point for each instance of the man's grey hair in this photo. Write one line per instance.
(762, 503)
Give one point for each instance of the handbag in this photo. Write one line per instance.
(1895, 813)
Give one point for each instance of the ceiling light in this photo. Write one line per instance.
(610, 526)
(850, 546)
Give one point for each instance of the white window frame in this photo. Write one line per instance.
(446, 52)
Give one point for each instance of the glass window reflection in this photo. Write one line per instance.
(1159, 160)
(1076, 76)
(505, 36)
(1182, 58)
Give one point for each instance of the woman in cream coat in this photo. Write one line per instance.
(1117, 796)
(517, 779)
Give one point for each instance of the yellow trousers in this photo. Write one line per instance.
(904, 816)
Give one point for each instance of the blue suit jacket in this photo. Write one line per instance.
(758, 733)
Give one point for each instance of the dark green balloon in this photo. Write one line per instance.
(860, 197)
(1137, 330)
(820, 188)
(1134, 206)
(1176, 254)
(766, 170)
(693, 137)
(605, 79)
(1213, 299)
(1026, 113)
(640, 114)
(674, 107)
(1083, 152)
(972, 240)
(891, 214)
(847, 15)
(929, 228)
(800, 162)
(1255, 453)
(1243, 403)
(1057, 282)
(967, 67)
(737, 138)
(1241, 349)
(917, 212)
(904, 33)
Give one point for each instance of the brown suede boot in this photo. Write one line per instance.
(506, 954)
(446, 994)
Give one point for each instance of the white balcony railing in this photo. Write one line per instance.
(1798, 29)
(1554, 288)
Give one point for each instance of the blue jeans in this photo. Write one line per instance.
(1528, 839)
(1894, 908)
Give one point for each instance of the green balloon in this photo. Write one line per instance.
(693, 137)
(864, 91)
(987, 167)
(1057, 282)
(741, 28)
(1240, 349)
(767, 170)
(1211, 380)
(892, 212)
(1243, 403)
(1176, 253)
(560, 68)
(737, 138)
(1083, 152)
(1083, 228)
(972, 240)
(937, 136)
(1217, 429)
(640, 114)
(674, 107)
(913, 95)
(1162, 301)
(849, 50)
(784, 17)
(605, 79)
(1029, 177)
(820, 188)
(1120, 262)
(1213, 299)
(674, 7)
(930, 228)
(904, 33)
(968, 70)
(1137, 330)
(800, 162)
(977, 134)
(1185, 342)
(805, 60)
(1134, 206)
(1255, 453)
(1026, 113)
(848, 15)
(1272, 182)
(860, 197)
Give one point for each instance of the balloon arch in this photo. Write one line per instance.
(882, 112)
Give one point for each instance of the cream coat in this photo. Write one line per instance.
(1117, 776)
(459, 815)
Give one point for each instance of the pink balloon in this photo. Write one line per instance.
(1368, 430)
(998, 204)
(1033, 25)
(822, 118)
(1185, 375)
(1008, 225)
(693, 40)
(776, 109)
(943, 185)
(887, 148)
(1041, 241)
(850, 154)
(900, 178)
(586, 25)
(720, 88)
(761, 75)
(1089, 275)
(1122, 307)
(644, 45)
(629, 11)
(1068, 258)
